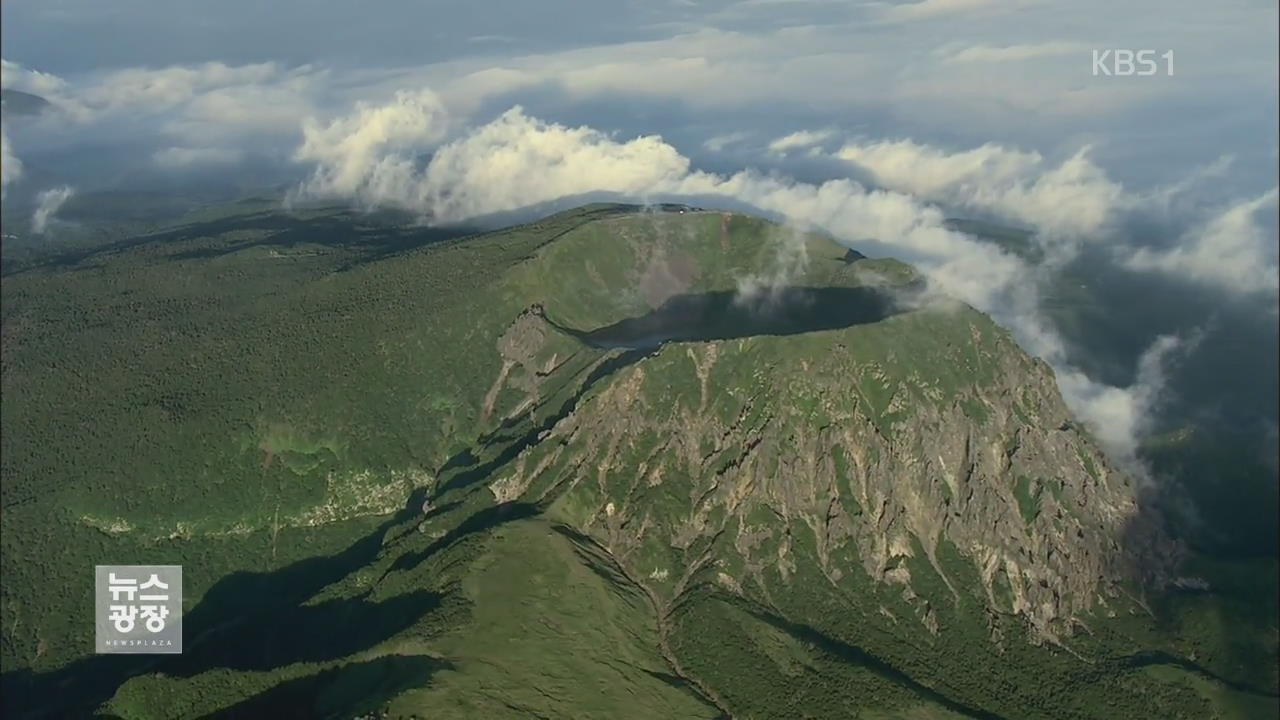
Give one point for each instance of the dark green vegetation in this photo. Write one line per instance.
(269, 399)
(1213, 452)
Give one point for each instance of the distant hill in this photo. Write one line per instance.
(16, 102)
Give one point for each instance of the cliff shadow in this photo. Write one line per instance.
(727, 315)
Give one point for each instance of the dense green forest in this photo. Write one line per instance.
(313, 411)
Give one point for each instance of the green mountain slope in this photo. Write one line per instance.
(608, 464)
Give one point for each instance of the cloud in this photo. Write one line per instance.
(800, 139)
(369, 154)
(977, 131)
(48, 202)
(14, 76)
(762, 291)
(517, 161)
(1165, 201)
(732, 76)
(928, 9)
(1076, 198)
(924, 170)
(143, 88)
(211, 107)
(1236, 249)
(135, 89)
(512, 162)
(1016, 53)
(782, 66)
(400, 152)
(10, 165)
(792, 68)
(1121, 417)
(720, 142)
(231, 112)
(179, 158)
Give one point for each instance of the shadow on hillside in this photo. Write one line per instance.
(1212, 621)
(479, 522)
(725, 315)
(856, 656)
(360, 238)
(353, 690)
(516, 434)
(248, 621)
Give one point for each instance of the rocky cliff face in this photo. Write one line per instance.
(924, 433)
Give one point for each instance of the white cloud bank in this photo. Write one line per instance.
(48, 202)
(517, 161)
(193, 114)
(784, 65)
(14, 76)
(369, 155)
(401, 153)
(1120, 417)
(10, 165)
(1073, 199)
(224, 91)
(1235, 250)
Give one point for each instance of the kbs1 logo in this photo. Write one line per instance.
(1124, 63)
(139, 608)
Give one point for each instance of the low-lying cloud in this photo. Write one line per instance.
(1120, 417)
(1235, 249)
(48, 202)
(512, 162)
(1074, 198)
(517, 161)
(10, 165)
(370, 155)
(179, 117)
(800, 139)
(764, 290)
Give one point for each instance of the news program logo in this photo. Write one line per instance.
(139, 608)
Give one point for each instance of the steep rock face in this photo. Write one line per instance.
(857, 448)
